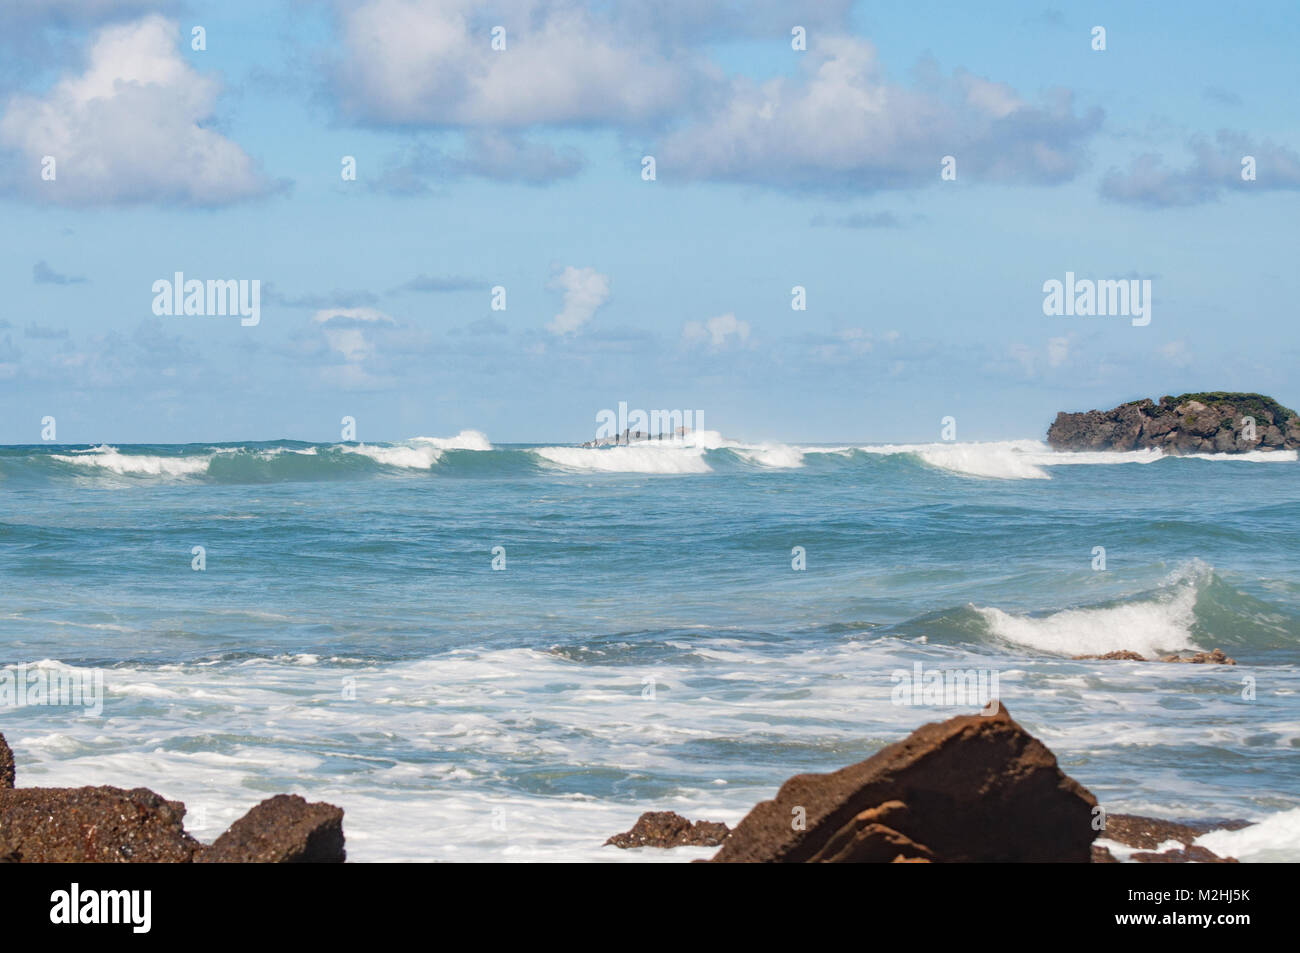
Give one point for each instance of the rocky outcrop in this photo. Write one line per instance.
(103, 825)
(1212, 422)
(973, 788)
(1213, 657)
(1148, 833)
(284, 829)
(113, 825)
(669, 829)
(631, 436)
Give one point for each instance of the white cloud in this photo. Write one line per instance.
(716, 331)
(585, 290)
(844, 125)
(432, 62)
(347, 331)
(129, 128)
(1216, 167)
(1058, 351)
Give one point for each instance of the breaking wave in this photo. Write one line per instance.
(471, 453)
(1193, 610)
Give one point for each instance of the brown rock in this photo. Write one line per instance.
(1215, 657)
(6, 765)
(1193, 423)
(284, 829)
(1102, 855)
(1124, 655)
(1150, 832)
(670, 829)
(92, 825)
(1188, 855)
(975, 788)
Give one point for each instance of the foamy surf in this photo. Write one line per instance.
(1162, 623)
(465, 440)
(419, 453)
(113, 460)
(648, 457)
(1275, 839)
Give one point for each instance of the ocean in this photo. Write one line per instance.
(507, 652)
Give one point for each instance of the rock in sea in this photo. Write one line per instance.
(976, 788)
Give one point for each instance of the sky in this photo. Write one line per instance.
(212, 139)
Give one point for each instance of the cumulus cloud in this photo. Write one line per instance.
(843, 125)
(585, 290)
(130, 128)
(718, 332)
(1216, 167)
(348, 331)
(432, 62)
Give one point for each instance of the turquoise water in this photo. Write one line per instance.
(648, 644)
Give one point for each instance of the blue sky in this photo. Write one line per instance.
(522, 168)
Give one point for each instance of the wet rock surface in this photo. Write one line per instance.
(669, 829)
(973, 788)
(114, 825)
(1148, 833)
(285, 829)
(1213, 657)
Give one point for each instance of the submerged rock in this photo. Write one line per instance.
(1211, 422)
(1214, 657)
(669, 829)
(975, 788)
(285, 829)
(1188, 855)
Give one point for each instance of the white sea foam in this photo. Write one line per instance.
(441, 753)
(668, 456)
(1160, 624)
(111, 459)
(1251, 456)
(465, 440)
(1274, 839)
(1002, 460)
(1030, 459)
(411, 458)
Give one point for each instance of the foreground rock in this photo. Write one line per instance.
(1214, 657)
(6, 765)
(669, 829)
(974, 788)
(1214, 422)
(103, 825)
(284, 829)
(1148, 833)
(113, 825)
